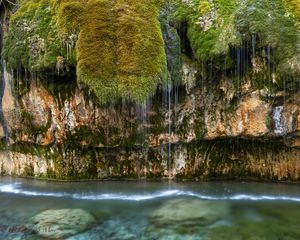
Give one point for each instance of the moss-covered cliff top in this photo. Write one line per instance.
(120, 48)
(116, 46)
(217, 26)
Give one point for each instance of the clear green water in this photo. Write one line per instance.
(157, 210)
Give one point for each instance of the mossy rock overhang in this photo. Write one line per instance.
(116, 47)
(231, 36)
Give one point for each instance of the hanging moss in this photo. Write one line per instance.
(96, 58)
(31, 41)
(294, 7)
(121, 51)
(226, 35)
(274, 29)
(70, 15)
(210, 25)
(119, 45)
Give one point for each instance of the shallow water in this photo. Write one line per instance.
(157, 210)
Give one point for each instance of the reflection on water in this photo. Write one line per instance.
(150, 210)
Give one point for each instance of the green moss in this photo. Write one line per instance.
(204, 7)
(70, 16)
(31, 41)
(121, 51)
(210, 25)
(219, 29)
(29, 171)
(275, 30)
(95, 47)
(294, 7)
(119, 45)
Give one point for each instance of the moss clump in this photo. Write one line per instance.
(119, 45)
(294, 7)
(210, 25)
(121, 51)
(69, 16)
(233, 32)
(96, 58)
(32, 38)
(275, 30)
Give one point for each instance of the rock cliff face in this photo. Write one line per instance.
(208, 121)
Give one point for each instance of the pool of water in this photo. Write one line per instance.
(154, 210)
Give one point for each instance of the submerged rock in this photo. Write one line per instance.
(60, 223)
(189, 211)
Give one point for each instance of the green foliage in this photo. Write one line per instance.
(118, 47)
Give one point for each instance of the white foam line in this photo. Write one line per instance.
(16, 189)
(121, 196)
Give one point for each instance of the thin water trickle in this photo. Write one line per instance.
(169, 90)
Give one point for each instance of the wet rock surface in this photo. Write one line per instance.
(238, 96)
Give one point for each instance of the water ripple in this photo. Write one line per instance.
(16, 188)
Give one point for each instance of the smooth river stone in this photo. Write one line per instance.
(190, 212)
(60, 223)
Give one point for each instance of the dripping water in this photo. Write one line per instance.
(167, 104)
(169, 126)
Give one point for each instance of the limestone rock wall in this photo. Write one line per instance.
(215, 115)
(202, 134)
